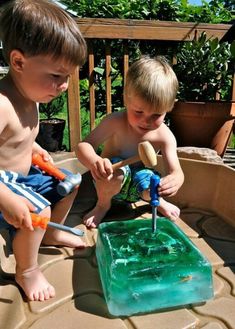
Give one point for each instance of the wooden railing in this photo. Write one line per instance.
(126, 30)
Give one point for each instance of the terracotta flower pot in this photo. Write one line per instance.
(201, 124)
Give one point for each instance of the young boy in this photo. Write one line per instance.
(43, 46)
(150, 91)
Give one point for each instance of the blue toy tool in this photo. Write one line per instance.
(154, 182)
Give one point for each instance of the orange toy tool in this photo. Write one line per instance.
(47, 166)
(44, 222)
(67, 182)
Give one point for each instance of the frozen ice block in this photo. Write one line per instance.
(143, 271)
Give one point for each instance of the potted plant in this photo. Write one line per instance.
(203, 115)
(51, 128)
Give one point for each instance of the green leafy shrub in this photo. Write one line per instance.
(215, 11)
(51, 109)
(204, 69)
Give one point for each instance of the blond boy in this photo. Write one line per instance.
(150, 92)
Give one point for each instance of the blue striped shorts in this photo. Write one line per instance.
(37, 187)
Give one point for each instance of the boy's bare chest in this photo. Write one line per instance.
(21, 128)
(126, 144)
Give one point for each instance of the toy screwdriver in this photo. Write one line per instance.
(154, 182)
(44, 222)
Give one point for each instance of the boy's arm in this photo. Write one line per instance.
(86, 150)
(15, 209)
(170, 184)
(39, 150)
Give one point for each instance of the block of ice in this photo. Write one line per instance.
(143, 271)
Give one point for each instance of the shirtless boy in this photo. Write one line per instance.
(43, 46)
(149, 93)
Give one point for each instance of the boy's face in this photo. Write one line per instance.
(41, 78)
(141, 115)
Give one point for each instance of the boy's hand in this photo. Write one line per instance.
(102, 169)
(46, 156)
(44, 153)
(17, 212)
(169, 185)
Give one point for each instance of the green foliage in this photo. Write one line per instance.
(85, 123)
(49, 110)
(215, 11)
(232, 141)
(170, 10)
(209, 12)
(204, 69)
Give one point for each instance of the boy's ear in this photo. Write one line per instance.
(17, 60)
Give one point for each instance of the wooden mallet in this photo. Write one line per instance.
(146, 154)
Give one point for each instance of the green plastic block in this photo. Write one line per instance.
(144, 272)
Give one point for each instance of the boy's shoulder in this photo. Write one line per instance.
(117, 115)
(4, 100)
(162, 134)
(6, 90)
(165, 135)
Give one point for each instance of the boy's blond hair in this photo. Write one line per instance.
(154, 80)
(40, 27)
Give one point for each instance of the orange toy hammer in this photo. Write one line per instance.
(44, 222)
(67, 182)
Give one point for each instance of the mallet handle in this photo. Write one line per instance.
(125, 162)
(47, 166)
(146, 154)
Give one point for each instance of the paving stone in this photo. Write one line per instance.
(120, 211)
(48, 255)
(62, 155)
(224, 249)
(95, 235)
(192, 217)
(221, 308)
(217, 228)
(228, 275)
(142, 209)
(145, 216)
(213, 325)
(232, 268)
(8, 265)
(75, 277)
(12, 313)
(208, 252)
(218, 285)
(69, 316)
(93, 304)
(79, 300)
(6, 256)
(179, 319)
(186, 228)
(80, 252)
(75, 220)
(196, 211)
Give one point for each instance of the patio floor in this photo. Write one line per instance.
(79, 301)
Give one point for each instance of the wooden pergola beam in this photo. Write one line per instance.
(147, 30)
